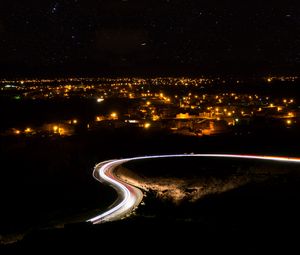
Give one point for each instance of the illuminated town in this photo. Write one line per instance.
(193, 107)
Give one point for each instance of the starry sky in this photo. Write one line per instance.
(148, 37)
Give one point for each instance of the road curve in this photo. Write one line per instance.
(129, 197)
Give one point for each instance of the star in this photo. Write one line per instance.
(54, 8)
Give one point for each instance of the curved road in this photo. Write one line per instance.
(129, 197)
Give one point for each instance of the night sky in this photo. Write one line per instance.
(148, 37)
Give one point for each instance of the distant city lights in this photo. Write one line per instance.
(187, 110)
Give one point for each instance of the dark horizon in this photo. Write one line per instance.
(23, 72)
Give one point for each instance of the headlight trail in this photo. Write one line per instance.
(129, 197)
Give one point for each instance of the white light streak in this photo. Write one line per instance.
(130, 196)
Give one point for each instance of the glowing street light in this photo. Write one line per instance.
(147, 125)
(28, 130)
(114, 115)
(61, 131)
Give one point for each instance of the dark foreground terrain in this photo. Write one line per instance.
(47, 186)
(141, 235)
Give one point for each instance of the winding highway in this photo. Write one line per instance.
(129, 197)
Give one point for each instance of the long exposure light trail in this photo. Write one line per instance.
(129, 197)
